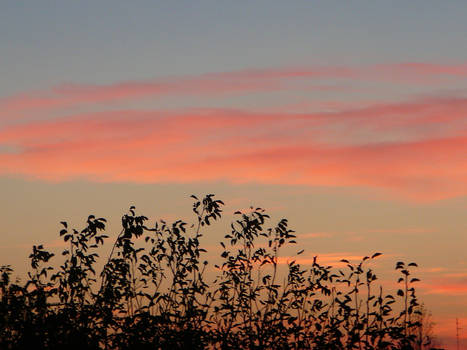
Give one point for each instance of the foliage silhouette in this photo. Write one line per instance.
(153, 293)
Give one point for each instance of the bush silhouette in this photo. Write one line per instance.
(153, 293)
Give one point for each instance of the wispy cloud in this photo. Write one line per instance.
(403, 230)
(317, 235)
(456, 286)
(328, 259)
(414, 149)
(215, 84)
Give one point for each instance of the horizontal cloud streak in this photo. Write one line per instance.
(328, 259)
(214, 84)
(414, 149)
(446, 287)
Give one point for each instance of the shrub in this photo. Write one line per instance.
(153, 293)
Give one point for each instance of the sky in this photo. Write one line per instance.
(347, 118)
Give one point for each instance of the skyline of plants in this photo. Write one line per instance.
(153, 292)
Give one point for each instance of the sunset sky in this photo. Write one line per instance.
(347, 118)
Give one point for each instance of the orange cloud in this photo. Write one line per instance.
(446, 325)
(317, 235)
(414, 149)
(405, 231)
(332, 259)
(446, 286)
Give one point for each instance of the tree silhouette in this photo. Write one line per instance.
(152, 292)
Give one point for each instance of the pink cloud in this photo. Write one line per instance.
(422, 69)
(414, 149)
(214, 84)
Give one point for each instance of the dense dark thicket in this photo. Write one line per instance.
(152, 293)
